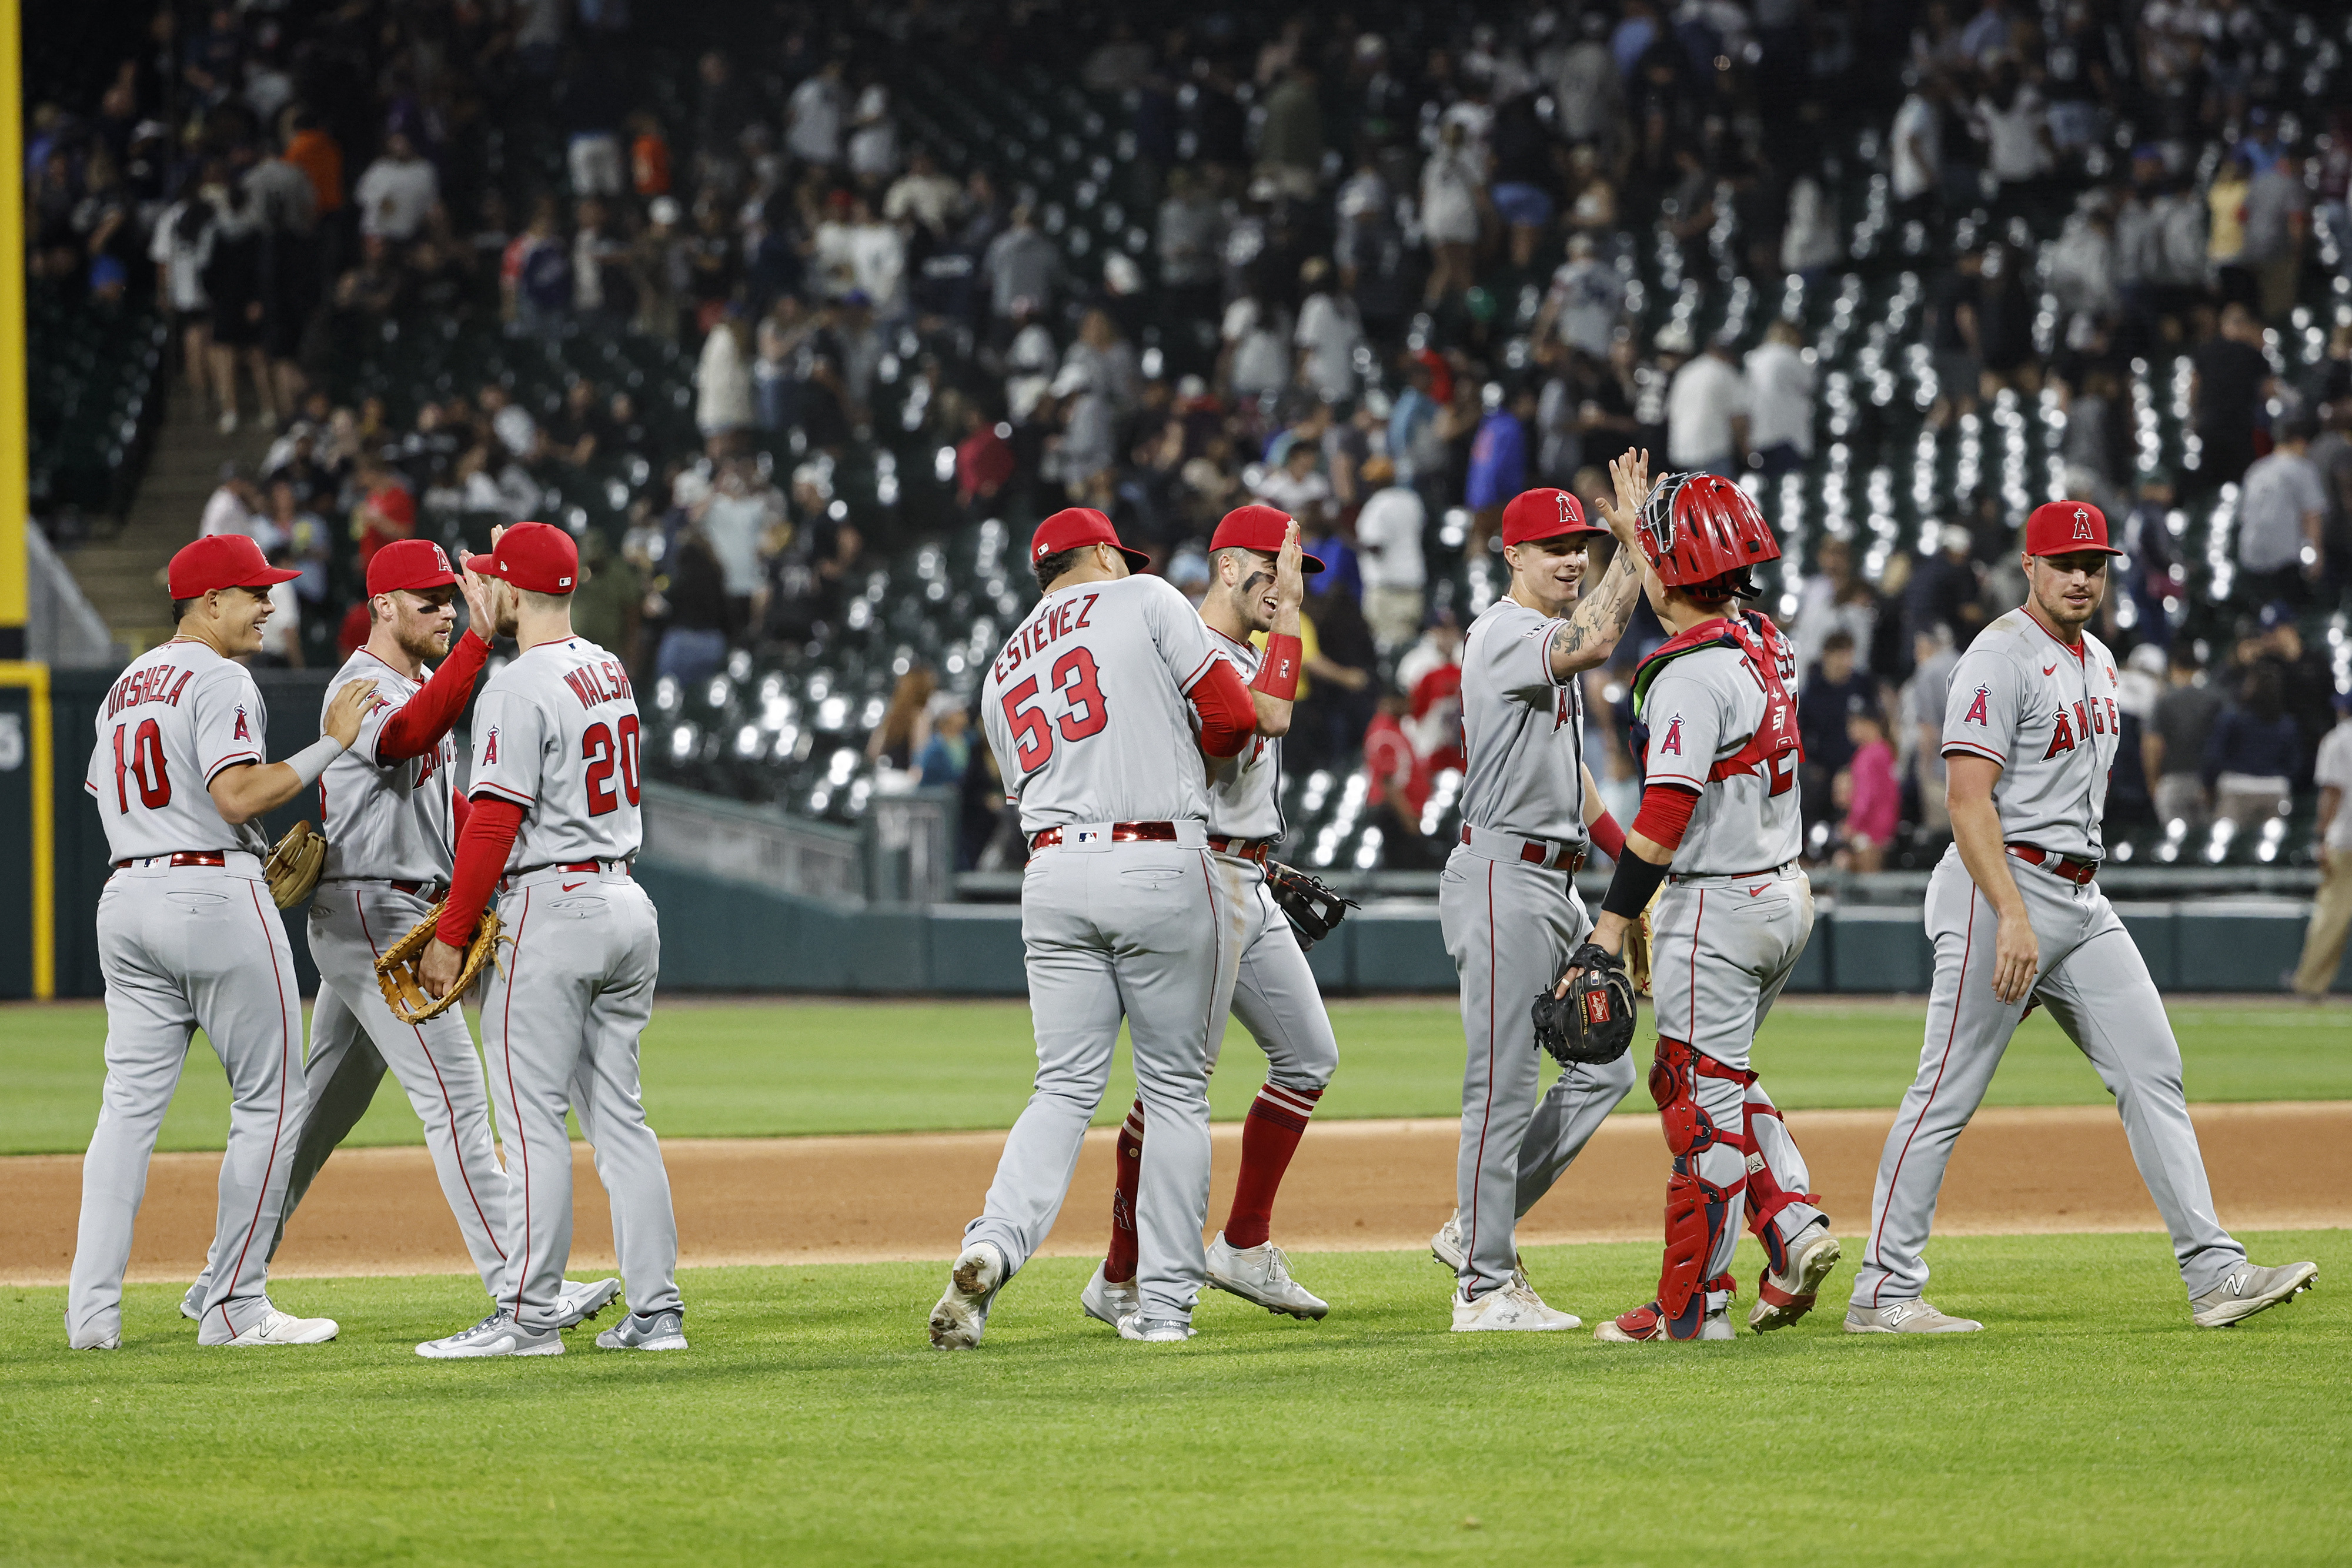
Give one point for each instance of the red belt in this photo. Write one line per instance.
(622, 867)
(1256, 850)
(1557, 857)
(2078, 872)
(188, 858)
(572, 868)
(1120, 832)
(414, 888)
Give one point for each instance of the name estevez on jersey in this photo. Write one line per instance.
(1051, 623)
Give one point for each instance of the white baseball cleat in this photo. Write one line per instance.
(191, 1306)
(1643, 1325)
(1908, 1317)
(1262, 1274)
(1154, 1330)
(577, 1301)
(2249, 1288)
(1108, 1301)
(961, 1316)
(110, 1340)
(498, 1334)
(647, 1331)
(1446, 1247)
(1513, 1308)
(1782, 1299)
(274, 1327)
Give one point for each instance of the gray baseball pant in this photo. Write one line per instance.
(1151, 932)
(1275, 994)
(353, 1039)
(183, 949)
(560, 1019)
(2096, 985)
(1510, 927)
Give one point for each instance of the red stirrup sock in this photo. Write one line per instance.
(1118, 1263)
(1270, 1134)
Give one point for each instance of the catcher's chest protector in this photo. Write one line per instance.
(1771, 663)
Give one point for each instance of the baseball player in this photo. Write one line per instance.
(1258, 580)
(1720, 825)
(390, 811)
(189, 938)
(2018, 920)
(1507, 899)
(1090, 708)
(554, 793)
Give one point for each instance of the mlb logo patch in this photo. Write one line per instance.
(1088, 836)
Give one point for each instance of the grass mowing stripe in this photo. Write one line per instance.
(809, 1423)
(769, 1068)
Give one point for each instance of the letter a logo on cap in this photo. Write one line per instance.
(440, 561)
(1568, 515)
(2083, 525)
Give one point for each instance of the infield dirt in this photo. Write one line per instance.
(1362, 1184)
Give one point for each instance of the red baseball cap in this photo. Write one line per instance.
(2064, 527)
(409, 564)
(394, 504)
(1257, 527)
(533, 556)
(1074, 525)
(222, 561)
(1544, 515)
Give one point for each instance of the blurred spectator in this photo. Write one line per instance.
(1874, 797)
(1834, 599)
(1021, 265)
(943, 757)
(2147, 565)
(1947, 590)
(2331, 910)
(1834, 691)
(2172, 750)
(2277, 217)
(691, 599)
(1452, 189)
(1916, 144)
(397, 193)
(735, 520)
(814, 118)
(722, 383)
(1584, 303)
(1706, 413)
(1498, 464)
(281, 635)
(234, 508)
(1388, 531)
(2225, 241)
(905, 726)
(2231, 384)
(2307, 684)
(2252, 757)
(1780, 403)
(2282, 513)
(609, 601)
(1329, 334)
(1923, 702)
(1296, 486)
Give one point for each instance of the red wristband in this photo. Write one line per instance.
(1607, 836)
(1278, 672)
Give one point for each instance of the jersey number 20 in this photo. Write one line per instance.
(1075, 676)
(598, 747)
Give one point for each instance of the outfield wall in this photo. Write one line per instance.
(720, 935)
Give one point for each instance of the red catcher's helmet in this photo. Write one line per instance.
(1698, 529)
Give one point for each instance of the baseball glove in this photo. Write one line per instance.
(292, 869)
(1313, 908)
(403, 989)
(1593, 1022)
(1637, 948)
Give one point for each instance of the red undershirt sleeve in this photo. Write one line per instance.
(460, 808)
(1228, 717)
(425, 717)
(1665, 814)
(482, 847)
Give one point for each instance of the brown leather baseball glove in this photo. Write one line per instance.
(1637, 948)
(403, 990)
(292, 869)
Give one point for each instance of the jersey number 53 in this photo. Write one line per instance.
(1084, 711)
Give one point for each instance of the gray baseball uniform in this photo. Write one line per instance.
(194, 945)
(556, 732)
(1508, 904)
(2047, 714)
(1737, 912)
(1086, 710)
(389, 855)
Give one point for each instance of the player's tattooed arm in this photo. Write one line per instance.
(1590, 635)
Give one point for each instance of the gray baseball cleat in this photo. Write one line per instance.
(271, 1328)
(111, 1339)
(2249, 1288)
(1514, 1309)
(1446, 1247)
(961, 1316)
(577, 1301)
(191, 1306)
(1906, 1317)
(498, 1334)
(1108, 1300)
(645, 1331)
(1262, 1274)
(1782, 1299)
(1154, 1330)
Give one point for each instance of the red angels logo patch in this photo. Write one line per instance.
(491, 747)
(1567, 518)
(2083, 527)
(243, 732)
(2063, 737)
(1672, 746)
(440, 561)
(1976, 714)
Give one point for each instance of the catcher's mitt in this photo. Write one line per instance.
(396, 972)
(292, 869)
(1594, 1021)
(1313, 908)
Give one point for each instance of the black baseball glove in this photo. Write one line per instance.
(1313, 908)
(1592, 1023)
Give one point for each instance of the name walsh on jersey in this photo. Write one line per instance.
(602, 682)
(1056, 621)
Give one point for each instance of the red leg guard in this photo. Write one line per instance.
(1765, 1197)
(1696, 1208)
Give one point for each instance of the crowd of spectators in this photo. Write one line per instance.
(1388, 285)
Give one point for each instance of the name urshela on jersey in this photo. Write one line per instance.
(1054, 623)
(602, 682)
(148, 685)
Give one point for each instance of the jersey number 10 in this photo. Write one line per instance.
(601, 751)
(141, 762)
(1075, 676)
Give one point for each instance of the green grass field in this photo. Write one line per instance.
(811, 1423)
(763, 1069)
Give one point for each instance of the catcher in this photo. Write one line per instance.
(392, 814)
(1719, 825)
(1258, 580)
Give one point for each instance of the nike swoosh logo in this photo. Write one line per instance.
(1754, 891)
(2049, 669)
(574, 886)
